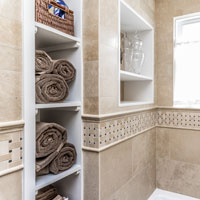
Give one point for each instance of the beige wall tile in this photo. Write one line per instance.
(115, 168)
(162, 143)
(91, 175)
(11, 9)
(179, 177)
(10, 32)
(10, 91)
(139, 187)
(11, 186)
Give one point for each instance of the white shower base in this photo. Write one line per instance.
(164, 195)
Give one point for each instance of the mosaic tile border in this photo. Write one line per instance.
(107, 132)
(100, 134)
(11, 147)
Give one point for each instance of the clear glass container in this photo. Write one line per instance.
(137, 58)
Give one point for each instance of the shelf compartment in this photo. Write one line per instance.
(129, 76)
(43, 181)
(130, 20)
(69, 106)
(50, 39)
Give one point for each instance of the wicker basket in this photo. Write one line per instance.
(45, 17)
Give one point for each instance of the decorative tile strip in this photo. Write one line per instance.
(11, 146)
(175, 118)
(104, 133)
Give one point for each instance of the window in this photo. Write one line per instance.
(187, 61)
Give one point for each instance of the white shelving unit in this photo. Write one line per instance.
(136, 89)
(67, 113)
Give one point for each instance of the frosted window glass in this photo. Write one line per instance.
(187, 66)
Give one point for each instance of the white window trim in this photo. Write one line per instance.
(184, 19)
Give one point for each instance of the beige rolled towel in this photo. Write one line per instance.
(47, 193)
(42, 164)
(43, 63)
(65, 69)
(49, 137)
(51, 88)
(64, 160)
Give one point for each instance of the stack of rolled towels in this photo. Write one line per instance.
(52, 78)
(49, 193)
(53, 153)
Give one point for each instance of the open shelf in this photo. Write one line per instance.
(130, 20)
(136, 89)
(129, 76)
(43, 181)
(50, 39)
(69, 106)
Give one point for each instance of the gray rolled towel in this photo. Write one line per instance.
(43, 63)
(65, 69)
(47, 193)
(51, 88)
(64, 160)
(49, 137)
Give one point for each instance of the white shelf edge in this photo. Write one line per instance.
(74, 106)
(129, 76)
(57, 32)
(134, 103)
(43, 181)
(135, 13)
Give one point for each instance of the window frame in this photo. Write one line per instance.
(178, 23)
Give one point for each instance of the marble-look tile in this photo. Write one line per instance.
(115, 168)
(11, 186)
(10, 32)
(179, 177)
(10, 90)
(143, 147)
(184, 145)
(91, 175)
(162, 143)
(139, 187)
(10, 58)
(91, 105)
(14, 9)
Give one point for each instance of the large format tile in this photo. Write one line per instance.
(11, 186)
(115, 168)
(91, 175)
(179, 177)
(10, 91)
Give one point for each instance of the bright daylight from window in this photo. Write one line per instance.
(187, 63)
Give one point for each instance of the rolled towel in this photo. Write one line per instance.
(49, 137)
(64, 160)
(47, 193)
(51, 88)
(43, 63)
(65, 69)
(42, 164)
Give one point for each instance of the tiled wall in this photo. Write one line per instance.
(165, 11)
(11, 136)
(125, 171)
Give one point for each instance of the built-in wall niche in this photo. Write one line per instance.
(136, 88)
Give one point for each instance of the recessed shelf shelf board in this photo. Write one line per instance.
(131, 21)
(50, 39)
(43, 181)
(129, 76)
(134, 103)
(74, 106)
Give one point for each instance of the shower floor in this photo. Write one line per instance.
(164, 195)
